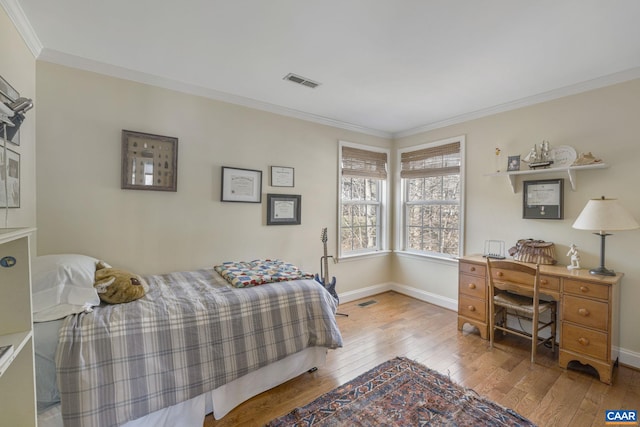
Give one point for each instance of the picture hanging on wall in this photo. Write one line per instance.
(149, 162)
(284, 209)
(543, 199)
(241, 185)
(9, 178)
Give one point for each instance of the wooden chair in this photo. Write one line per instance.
(514, 290)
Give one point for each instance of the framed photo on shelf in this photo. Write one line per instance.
(543, 199)
(149, 162)
(9, 170)
(283, 209)
(514, 163)
(241, 185)
(282, 176)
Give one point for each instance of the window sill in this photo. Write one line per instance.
(437, 258)
(364, 255)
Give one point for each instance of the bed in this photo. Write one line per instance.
(194, 344)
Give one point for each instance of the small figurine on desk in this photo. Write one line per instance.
(575, 258)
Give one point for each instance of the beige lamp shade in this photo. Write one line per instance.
(605, 215)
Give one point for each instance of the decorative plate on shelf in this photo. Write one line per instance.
(563, 156)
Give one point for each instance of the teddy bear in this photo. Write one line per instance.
(118, 286)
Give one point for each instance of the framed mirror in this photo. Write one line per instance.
(149, 162)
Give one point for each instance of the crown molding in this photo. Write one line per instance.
(574, 89)
(61, 58)
(22, 24)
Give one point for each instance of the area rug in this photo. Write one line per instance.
(401, 392)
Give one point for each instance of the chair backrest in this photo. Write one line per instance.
(515, 277)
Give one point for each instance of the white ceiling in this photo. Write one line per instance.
(387, 67)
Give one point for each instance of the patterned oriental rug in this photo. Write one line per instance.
(401, 392)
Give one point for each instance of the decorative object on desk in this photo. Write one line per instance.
(543, 199)
(149, 162)
(401, 392)
(282, 176)
(283, 209)
(494, 249)
(586, 159)
(514, 163)
(604, 215)
(534, 251)
(563, 156)
(241, 185)
(575, 258)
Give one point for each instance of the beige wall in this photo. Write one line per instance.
(82, 209)
(603, 121)
(18, 67)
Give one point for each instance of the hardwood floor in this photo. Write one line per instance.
(397, 325)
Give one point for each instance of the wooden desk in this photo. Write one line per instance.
(588, 308)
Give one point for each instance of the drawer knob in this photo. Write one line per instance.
(500, 274)
(583, 312)
(544, 281)
(472, 269)
(472, 285)
(584, 289)
(583, 341)
(471, 308)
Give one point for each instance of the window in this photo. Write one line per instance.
(432, 193)
(363, 176)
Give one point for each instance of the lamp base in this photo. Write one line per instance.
(601, 271)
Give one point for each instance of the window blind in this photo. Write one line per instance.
(363, 163)
(433, 161)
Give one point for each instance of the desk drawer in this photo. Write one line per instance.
(473, 286)
(585, 341)
(472, 307)
(549, 282)
(475, 269)
(586, 312)
(587, 289)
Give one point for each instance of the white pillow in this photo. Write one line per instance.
(62, 285)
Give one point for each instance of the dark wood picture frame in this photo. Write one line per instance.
(284, 209)
(241, 185)
(149, 162)
(543, 199)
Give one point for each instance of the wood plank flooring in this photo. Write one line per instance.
(397, 325)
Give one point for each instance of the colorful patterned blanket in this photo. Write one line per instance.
(258, 272)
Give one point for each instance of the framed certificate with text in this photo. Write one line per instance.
(543, 199)
(282, 176)
(283, 209)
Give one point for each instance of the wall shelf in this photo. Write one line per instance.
(570, 171)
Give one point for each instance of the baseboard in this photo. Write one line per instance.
(629, 358)
(626, 357)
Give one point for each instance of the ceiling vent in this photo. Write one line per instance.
(301, 80)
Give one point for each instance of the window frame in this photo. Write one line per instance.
(382, 241)
(402, 229)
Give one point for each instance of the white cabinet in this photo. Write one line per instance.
(17, 374)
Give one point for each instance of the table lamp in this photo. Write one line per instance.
(604, 215)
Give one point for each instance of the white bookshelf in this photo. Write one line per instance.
(569, 170)
(17, 374)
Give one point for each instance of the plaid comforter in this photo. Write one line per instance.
(191, 333)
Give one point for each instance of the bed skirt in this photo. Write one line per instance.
(221, 400)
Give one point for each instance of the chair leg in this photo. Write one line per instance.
(492, 324)
(534, 334)
(554, 327)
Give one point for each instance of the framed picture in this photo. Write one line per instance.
(149, 162)
(543, 199)
(283, 209)
(514, 163)
(241, 185)
(9, 171)
(282, 176)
